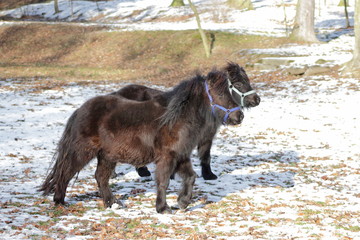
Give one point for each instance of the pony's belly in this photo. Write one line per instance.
(132, 156)
(136, 150)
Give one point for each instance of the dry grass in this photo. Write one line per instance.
(94, 53)
(9, 4)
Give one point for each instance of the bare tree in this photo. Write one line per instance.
(285, 18)
(241, 4)
(342, 2)
(97, 5)
(345, 2)
(201, 31)
(177, 3)
(72, 7)
(56, 6)
(304, 21)
(353, 67)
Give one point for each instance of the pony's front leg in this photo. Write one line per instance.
(204, 154)
(188, 175)
(103, 173)
(164, 168)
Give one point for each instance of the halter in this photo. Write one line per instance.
(242, 95)
(214, 105)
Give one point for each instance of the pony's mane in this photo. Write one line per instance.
(188, 91)
(218, 79)
(189, 96)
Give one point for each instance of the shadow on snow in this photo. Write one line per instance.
(233, 177)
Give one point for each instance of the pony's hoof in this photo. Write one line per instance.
(59, 204)
(113, 174)
(108, 203)
(209, 176)
(175, 207)
(183, 203)
(118, 205)
(143, 172)
(59, 201)
(164, 210)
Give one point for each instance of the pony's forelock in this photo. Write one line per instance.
(236, 72)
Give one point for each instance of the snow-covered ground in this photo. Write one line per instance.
(268, 17)
(290, 171)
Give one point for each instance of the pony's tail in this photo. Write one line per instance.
(65, 163)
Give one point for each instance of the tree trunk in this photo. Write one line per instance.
(353, 67)
(177, 3)
(97, 5)
(343, 2)
(202, 33)
(56, 6)
(285, 19)
(71, 7)
(304, 21)
(346, 14)
(241, 4)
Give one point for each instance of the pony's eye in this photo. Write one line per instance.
(237, 85)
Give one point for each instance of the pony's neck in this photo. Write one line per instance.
(188, 101)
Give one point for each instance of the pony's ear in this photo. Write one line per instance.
(233, 70)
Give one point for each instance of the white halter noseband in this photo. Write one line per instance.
(242, 95)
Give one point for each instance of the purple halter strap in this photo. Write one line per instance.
(214, 105)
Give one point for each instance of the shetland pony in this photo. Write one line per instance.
(163, 130)
(242, 93)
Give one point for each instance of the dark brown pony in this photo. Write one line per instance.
(163, 129)
(240, 82)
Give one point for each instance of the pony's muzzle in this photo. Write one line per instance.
(252, 100)
(235, 118)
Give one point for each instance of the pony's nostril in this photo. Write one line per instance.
(257, 100)
(241, 117)
(236, 118)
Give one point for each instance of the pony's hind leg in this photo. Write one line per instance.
(185, 170)
(63, 176)
(103, 173)
(60, 191)
(163, 171)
